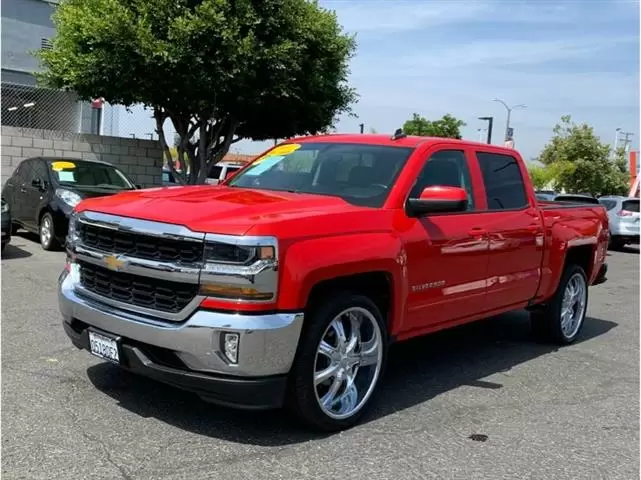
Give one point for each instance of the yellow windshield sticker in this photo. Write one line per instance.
(280, 150)
(60, 166)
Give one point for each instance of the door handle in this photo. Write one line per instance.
(536, 228)
(477, 231)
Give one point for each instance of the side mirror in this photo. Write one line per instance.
(438, 199)
(138, 186)
(37, 183)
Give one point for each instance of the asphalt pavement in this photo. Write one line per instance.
(479, 402)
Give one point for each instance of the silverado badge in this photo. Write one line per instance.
(112, 262)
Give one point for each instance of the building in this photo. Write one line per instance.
(27, 27)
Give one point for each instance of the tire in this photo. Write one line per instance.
(305, 394)
(547, 321)
(616, 243)
(48, 240)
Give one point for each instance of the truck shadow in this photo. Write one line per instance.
(417, 371)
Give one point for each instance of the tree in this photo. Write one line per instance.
(218, 70)
(581, 163)
(540, 176)
(448, 126)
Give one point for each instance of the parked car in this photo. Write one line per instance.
(168, 178)
(223, 170)
(42, 192)
(6, 224)
(577, 198)
(546, 197)
(286, 284)
(623, 216)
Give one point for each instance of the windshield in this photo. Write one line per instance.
(358, 173)
(79, 173)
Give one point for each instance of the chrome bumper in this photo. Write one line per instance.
(267, 342)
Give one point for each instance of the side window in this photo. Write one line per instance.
(445, 168)
(24, 171)
(40, 171)
(504, 184)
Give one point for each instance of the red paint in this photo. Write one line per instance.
(454, 194)
(475, 264)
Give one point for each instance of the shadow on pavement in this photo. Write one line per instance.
(13, 252)
(418, 370)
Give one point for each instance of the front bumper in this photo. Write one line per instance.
(188, 354)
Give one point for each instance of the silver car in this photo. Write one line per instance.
(623, 215)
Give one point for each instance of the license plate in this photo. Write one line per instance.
(104, 347)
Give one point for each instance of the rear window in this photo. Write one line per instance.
(504, 184)
(631, 206)
(608, 204)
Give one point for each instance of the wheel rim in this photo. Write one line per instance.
(348, 363)
(573, 305)
(45, 231)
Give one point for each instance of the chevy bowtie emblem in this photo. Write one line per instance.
(112, 262)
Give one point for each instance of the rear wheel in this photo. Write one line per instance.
(47, 233)
(339, 363)
(561, 320)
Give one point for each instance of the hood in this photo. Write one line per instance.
(91, 192)
(220, 209)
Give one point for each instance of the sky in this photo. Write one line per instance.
(432, 57)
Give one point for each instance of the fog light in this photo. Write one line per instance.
(230, 346)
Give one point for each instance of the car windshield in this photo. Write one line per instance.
(89, 174)
(358, 173)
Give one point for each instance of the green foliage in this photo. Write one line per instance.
(579, 162)
(218, 70)
(448, 126)
(540, 176)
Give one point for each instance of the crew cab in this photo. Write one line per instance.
(286, 284)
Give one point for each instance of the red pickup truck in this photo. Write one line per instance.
(286, 284)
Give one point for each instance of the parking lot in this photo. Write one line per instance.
(479, 402)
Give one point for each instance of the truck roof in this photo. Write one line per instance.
(411, 141)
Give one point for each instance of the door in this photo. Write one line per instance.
(35, 195)
(446, 253)
(515, 232)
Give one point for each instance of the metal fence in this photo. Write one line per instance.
(26, 106)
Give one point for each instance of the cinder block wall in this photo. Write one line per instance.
(140, 159)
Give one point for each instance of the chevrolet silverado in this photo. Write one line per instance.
(285, 285)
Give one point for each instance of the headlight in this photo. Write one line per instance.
(72, 232)
(70, 198)
(5, 207)
(240, 268)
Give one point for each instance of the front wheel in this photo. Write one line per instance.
(561, 320)
(339, 364)
(47, 233)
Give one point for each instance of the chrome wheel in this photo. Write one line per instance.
(573, 305)
(46, 230)
(348, 362)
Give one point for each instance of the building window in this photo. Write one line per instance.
(46, 44)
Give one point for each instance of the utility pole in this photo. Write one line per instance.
(490, 121)
(626, 141)
(508, 132)
(362, 126)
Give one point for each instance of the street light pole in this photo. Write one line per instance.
(490, 121)
(509, 114)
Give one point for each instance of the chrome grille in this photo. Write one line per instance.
(146, 292)
(139, 245)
